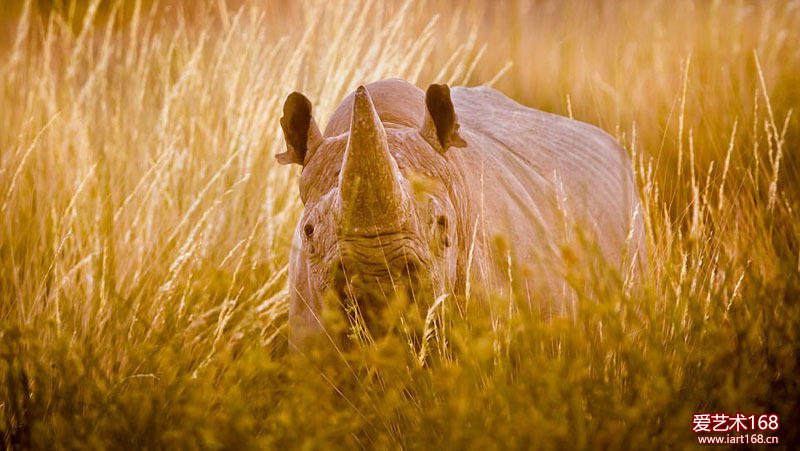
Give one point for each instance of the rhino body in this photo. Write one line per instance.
(460, 191)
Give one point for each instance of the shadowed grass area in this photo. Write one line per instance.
(145, 227)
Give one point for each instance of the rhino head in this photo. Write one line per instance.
(379, 216)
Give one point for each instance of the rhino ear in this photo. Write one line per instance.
(441, 124)
(299, 129)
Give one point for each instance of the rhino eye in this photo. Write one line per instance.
(308, 229)
(441, 221)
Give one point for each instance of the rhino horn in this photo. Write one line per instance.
(370, 183)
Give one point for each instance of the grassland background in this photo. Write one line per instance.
(144, 225)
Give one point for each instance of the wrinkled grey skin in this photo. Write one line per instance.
(402, 194)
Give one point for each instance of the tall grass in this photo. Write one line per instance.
(145, 228)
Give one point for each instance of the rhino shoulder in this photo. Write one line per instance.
(488, 109)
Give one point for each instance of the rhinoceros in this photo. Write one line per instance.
(417, 191)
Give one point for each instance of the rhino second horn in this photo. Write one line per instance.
(370, 183)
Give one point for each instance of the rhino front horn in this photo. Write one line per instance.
(370, 183)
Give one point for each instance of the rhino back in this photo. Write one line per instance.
(541, 172)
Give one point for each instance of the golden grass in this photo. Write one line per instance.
(145, 227)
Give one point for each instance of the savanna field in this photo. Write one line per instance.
(145, 227)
